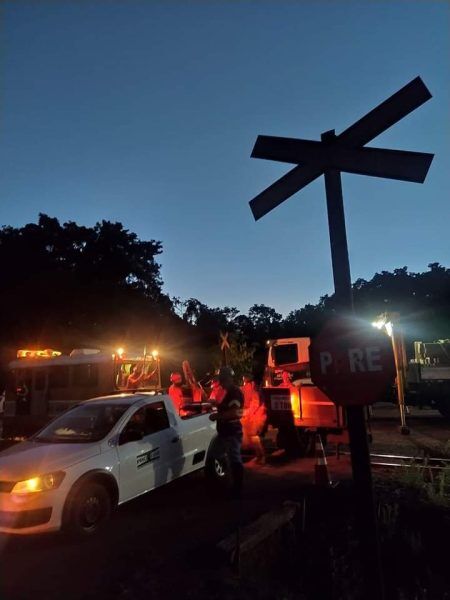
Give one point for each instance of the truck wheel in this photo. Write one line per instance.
(89, 508)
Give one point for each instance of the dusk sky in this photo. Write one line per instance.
(146, 113)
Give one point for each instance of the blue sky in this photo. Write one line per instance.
(147, 112)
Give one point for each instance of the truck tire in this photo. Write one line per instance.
(89, 507)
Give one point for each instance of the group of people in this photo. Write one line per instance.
(241, 416)
(254, 415)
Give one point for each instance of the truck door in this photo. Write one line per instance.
(148, 462)
(196, 432)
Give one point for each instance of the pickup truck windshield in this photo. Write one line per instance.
(84, 423)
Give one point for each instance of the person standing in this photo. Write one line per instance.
(229, 426)
(176, 390)
(253, 423)
(249, 390)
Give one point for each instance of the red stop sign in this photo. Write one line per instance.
(352, 362)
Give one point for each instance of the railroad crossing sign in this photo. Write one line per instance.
(333, 154)
(352, 362)
(224, 343)
(345, 152)
(224, 346)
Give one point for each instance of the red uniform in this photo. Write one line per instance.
(217, 392)
(254, 417)
(248, 389)
(253, 422)
(176, 393)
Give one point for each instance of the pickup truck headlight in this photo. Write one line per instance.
(50, 481)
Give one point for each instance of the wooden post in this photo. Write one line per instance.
(359, 448)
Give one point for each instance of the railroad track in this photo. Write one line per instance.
(395, 460)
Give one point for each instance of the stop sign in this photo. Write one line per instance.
(352, 362)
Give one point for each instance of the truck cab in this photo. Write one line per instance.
(295, 406)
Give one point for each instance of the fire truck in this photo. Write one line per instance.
(42, 384)
(295, 406)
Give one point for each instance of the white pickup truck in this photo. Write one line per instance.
(98, 455)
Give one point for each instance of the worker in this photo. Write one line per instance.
(286, 380)
(217, 391)
(249, 390)
(253, 424)
(229, 427)
(135, 378)
(176, 390)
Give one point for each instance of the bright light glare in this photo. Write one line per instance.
(295, 404)
(50, 481)
(155, 353)
(120, 352)
(28, 487)
(386, 324)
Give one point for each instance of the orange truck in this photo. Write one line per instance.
(295, 406)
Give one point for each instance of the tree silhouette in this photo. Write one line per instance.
(59, 281)
(67, 285)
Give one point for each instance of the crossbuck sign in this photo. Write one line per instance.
(345, 152)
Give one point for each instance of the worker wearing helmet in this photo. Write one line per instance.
(229, 427)
(176, 390)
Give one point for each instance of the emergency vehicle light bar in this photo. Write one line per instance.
(47, 353)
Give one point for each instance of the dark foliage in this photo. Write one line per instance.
(66, 286)
(62, 284)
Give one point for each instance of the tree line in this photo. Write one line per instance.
(65, 285)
